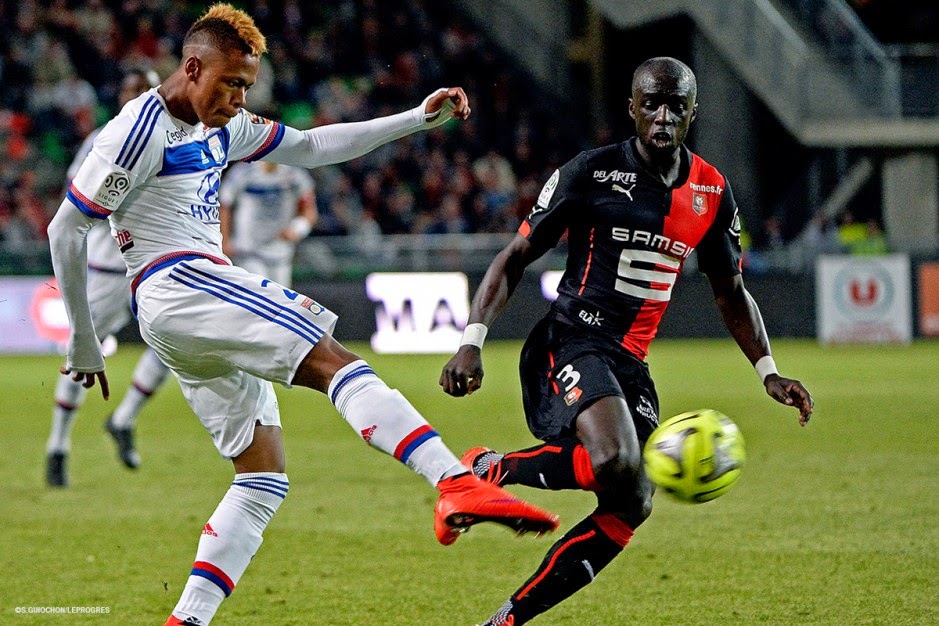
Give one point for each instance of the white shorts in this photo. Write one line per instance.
(226, 333)
(109, 300)
(278, 271)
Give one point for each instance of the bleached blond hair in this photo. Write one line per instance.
(225, 27)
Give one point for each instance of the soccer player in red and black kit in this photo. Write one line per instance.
(633, 212)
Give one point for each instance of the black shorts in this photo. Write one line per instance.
(563, 371)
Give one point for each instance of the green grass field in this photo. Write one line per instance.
(837, 523)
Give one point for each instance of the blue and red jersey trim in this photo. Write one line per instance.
(273, 140)
(86, 205)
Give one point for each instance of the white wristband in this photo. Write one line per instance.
(300, 226)
(474, 335)
(764, 367)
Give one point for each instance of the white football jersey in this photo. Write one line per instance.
(156, 178)
(103, 253)
(263, 204)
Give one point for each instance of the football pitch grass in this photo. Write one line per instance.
(836, 523)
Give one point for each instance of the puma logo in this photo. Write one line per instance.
(622, 189)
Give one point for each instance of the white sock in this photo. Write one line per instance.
(387, 421)
(149, 374)
(69, 396)
(229, 540)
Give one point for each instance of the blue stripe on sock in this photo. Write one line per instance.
(275, 481)
(277, 487)
(213, 578)
(414, 445)
(261, 487)
(362, 370)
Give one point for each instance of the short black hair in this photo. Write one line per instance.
(669, 67)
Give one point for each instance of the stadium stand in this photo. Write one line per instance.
(338, 60)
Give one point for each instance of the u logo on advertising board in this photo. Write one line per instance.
(863, 299)
(864, 290)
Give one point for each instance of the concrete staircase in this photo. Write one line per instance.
(820, 100)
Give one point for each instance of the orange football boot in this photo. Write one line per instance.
(485, 469)
(466, 500)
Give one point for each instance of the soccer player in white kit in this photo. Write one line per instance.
(226, 333)
(266, 208)
(108, 287)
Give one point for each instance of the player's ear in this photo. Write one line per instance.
(632, 113)
(193, 67)
(694, 112)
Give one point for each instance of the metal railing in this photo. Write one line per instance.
(815, 65)
(859, 56)
(355, 255)
(344, 257)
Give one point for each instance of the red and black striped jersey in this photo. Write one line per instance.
(629, 235)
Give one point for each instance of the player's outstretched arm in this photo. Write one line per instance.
(67, 233)
(336, 143)
(463, 373)
(743, 319)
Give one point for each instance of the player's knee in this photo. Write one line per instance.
(321, 363)
(639, 506)
(616, 465)
(264, 465)
(630, 503)
(636, 513)
(265, 453)
(643, 508)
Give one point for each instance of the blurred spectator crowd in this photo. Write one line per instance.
(844, 234)
(61, 64)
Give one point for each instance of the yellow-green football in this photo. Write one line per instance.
(695, 456)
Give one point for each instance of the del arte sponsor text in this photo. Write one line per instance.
(615, 176)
